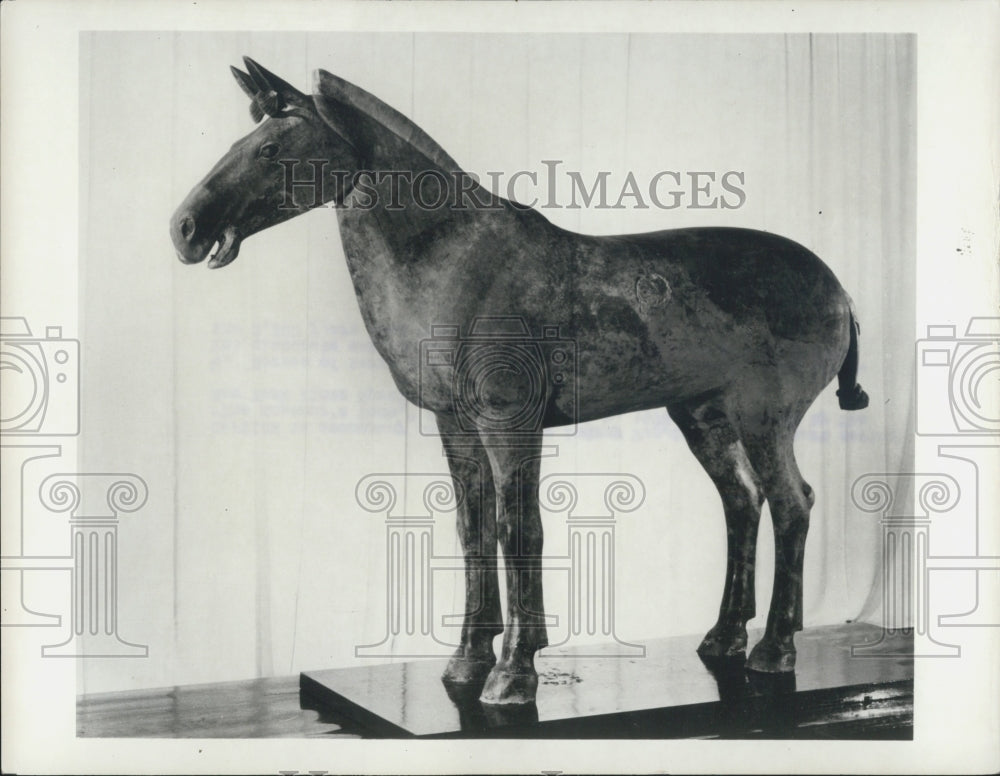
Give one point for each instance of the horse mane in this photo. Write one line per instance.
(337, 88)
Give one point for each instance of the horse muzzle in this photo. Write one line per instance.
(194, 245)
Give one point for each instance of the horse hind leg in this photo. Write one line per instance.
(769, 443)
(715, 442)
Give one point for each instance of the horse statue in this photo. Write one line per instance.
(735, 332)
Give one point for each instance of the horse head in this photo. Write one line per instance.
(249, 189)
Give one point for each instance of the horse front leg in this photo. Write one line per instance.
(477, 532)
(515, 462)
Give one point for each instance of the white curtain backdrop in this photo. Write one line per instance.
(252, 402)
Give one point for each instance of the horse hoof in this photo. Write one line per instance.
(465, 670)
(505, 687)
(771, 658)
(725, 643)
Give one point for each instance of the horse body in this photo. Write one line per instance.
(735, 332)
(657, 319)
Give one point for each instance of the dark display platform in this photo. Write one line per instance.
(669, 693)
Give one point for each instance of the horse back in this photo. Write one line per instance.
(662, 317)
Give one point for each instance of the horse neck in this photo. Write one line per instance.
(392, 235)
(400, 252)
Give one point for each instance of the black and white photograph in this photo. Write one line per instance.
(500, 387)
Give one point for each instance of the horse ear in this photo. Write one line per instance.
(246, 84)
(337, 114)
(269, 82)
(268, 94)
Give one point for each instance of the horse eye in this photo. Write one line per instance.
(268, 150)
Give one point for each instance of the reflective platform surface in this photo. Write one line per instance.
(594, 692)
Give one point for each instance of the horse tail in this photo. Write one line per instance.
(850, 393)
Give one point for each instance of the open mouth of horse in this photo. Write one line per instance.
(225, 249)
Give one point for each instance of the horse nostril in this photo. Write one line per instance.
(187, 227)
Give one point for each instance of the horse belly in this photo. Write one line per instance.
(618, 376)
